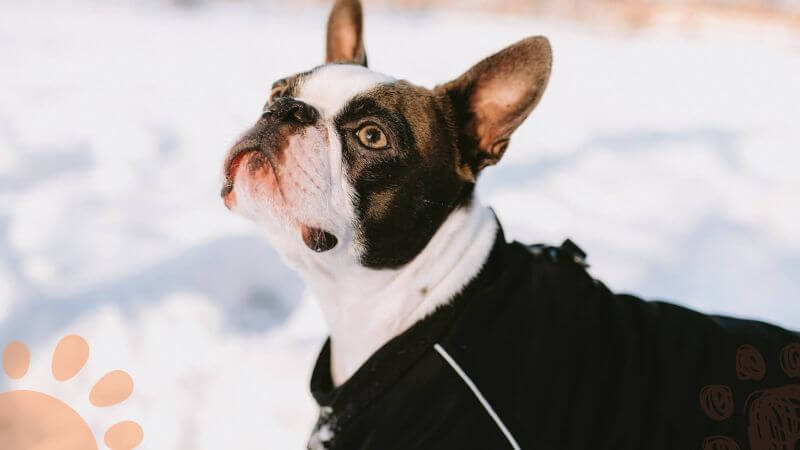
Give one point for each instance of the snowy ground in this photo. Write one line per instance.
(671, 157)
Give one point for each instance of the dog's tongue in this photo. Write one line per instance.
(318, 239)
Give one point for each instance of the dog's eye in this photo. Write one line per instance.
(372, 137)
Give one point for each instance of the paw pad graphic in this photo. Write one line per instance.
(32, 420)
(773, 415)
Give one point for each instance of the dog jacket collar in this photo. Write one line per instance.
(395, 358)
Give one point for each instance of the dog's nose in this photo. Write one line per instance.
(290, 109)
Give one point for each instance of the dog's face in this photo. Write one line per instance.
(346, 158)
(347, 165)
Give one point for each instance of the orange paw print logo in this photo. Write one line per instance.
(31, 420)
(773, 415)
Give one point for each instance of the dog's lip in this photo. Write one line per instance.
(235, 157)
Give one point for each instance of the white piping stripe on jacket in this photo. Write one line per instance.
(478, 394)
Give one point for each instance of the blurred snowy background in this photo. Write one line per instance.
(669, 153)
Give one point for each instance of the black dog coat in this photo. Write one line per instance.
(535, 354)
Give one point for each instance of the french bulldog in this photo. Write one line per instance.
(442, 335)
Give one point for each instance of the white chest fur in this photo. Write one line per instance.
(365, 308)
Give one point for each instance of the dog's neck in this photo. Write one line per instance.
(365, 308)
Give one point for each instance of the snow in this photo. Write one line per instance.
(670, 156)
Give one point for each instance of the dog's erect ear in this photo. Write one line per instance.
(345, 26)
(492, 99)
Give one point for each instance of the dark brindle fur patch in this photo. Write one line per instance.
(406, 191)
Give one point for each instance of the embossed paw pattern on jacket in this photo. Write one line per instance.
(772, 415)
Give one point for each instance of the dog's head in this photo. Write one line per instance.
(346, 165)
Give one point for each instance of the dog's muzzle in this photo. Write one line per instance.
(282, 118)
(263, 148)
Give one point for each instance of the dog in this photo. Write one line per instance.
(442, 334)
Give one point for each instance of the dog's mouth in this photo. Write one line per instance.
(315, 238)
(318, 239)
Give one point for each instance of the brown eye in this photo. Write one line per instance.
(372, 137)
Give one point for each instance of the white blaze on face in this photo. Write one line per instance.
(330, 87)
(314, 188)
